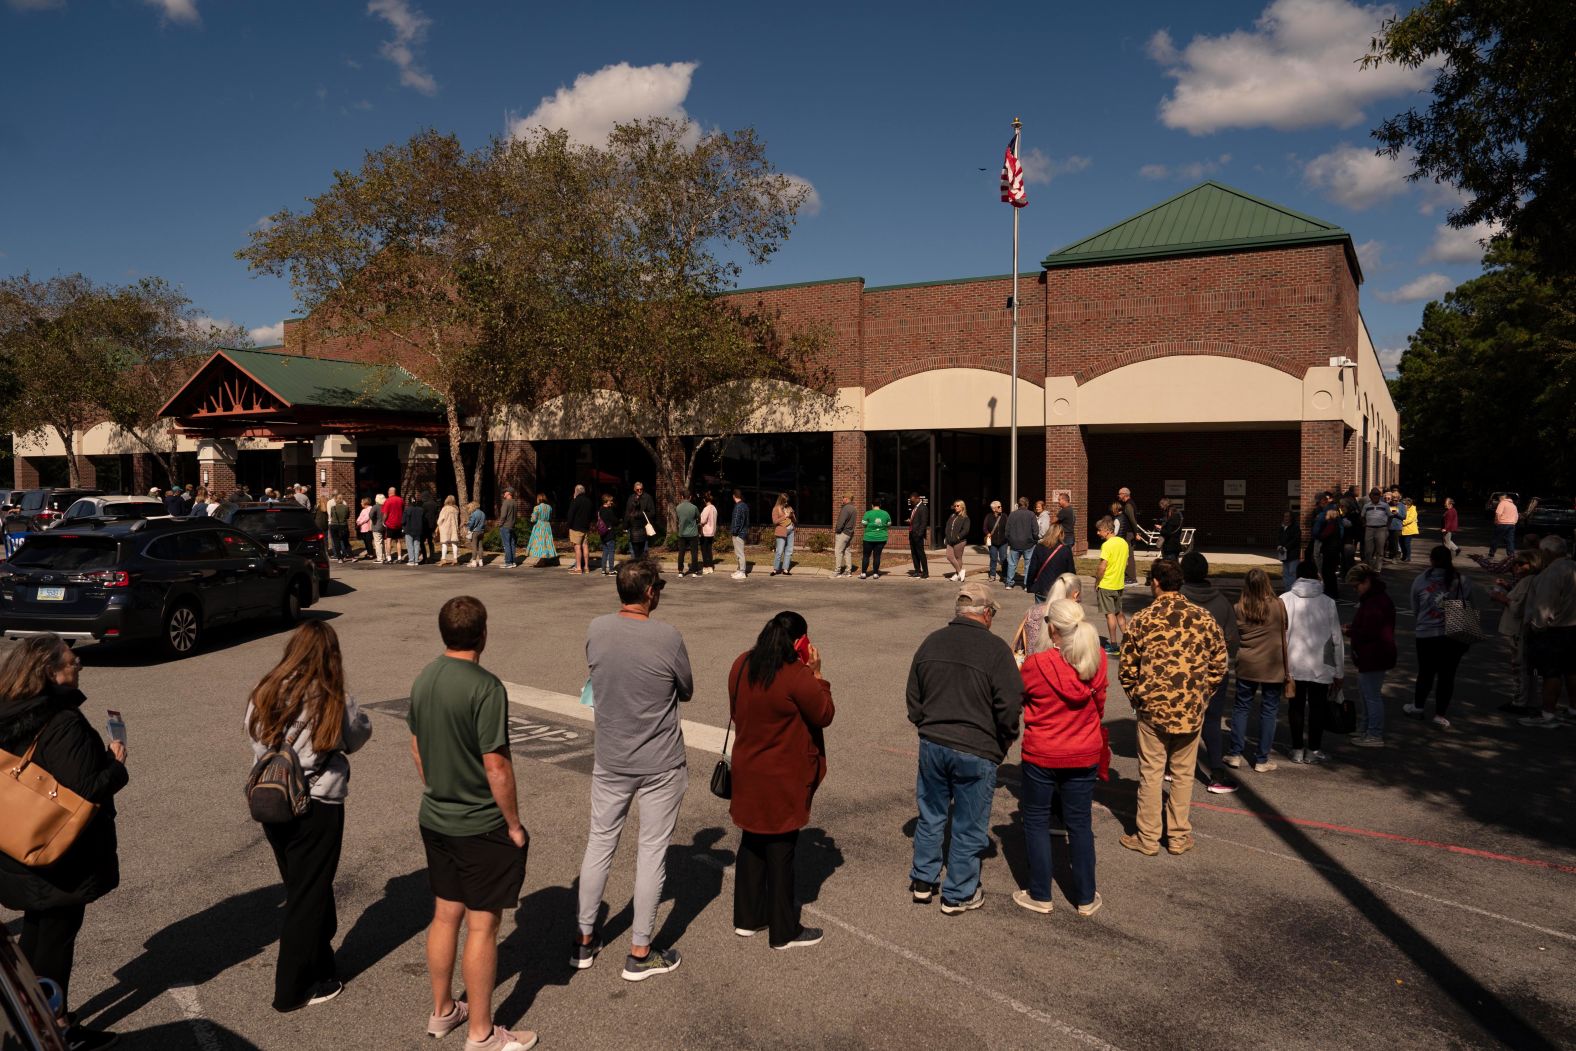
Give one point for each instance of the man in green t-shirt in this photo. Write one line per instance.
(1110, 579)
(876, 523)
(470, 822)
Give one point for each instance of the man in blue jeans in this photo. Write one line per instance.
(965, 696)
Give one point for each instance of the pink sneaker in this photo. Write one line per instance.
(443, 1025)
(503, 1040)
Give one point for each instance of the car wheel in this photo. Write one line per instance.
(182, 630)
(290, 608)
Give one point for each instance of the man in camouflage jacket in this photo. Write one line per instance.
(1173, 658)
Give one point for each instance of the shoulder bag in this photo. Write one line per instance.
(42, 817)
(722, 773)
(1462, 622)
(651, 530)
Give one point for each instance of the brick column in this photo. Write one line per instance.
(334, 462)
(87, 472)
(142, 468)
(24, 473)
(418, 466)
(850, 465)
(216, 465)
(1352, 460)
(1067, 467)
(1323, 449)
(514, 464)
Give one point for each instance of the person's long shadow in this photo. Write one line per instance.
(1476, 1001)
(199, 1034)
(817, 858)
(192, 951)
(395, 918)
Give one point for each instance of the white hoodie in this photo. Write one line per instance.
(1316, 648)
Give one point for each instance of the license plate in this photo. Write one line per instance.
(51, 594)
(282, 548)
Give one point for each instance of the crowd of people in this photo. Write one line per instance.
(1188, 662)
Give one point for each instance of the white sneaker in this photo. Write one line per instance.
(1233, 761)
(1411, 709)
(1296, 755)
(1543, 721)
(738, 576)
(962, 575)
(1441, 722)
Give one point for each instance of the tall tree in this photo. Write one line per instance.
(1502, 119)
(656, 347)
(1487, 383)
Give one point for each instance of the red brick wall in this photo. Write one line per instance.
(1067, 467)
(832, 307)
(341, 475)
(1323, 456)
(1265, 459)
(24, 473)
(963, 324)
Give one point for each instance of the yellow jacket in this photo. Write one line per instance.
(1409, 523)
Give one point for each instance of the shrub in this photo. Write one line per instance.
(820, 543)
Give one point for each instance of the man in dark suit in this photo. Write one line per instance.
(918, 527)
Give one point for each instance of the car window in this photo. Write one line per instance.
(137, 509)
(236, 546)
(204, 546)
(166, 549)
(263, 520)
(69, 554)
(80, 509)
(33, 500)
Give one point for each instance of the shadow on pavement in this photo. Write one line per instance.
(401, 913)
(199, 1034)
(192, 951)
(142, 654)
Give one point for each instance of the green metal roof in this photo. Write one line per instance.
(1210, 217)
(332, 383)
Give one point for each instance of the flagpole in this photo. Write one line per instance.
(1012, 491)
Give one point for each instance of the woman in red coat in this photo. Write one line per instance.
(1065, 748)
(779, 704)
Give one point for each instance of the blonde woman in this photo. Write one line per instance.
(449, 533)
(956, 537)
(302, 703)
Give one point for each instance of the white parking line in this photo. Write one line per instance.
(700, 736)
(185, 997)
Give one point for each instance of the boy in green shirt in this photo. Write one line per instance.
(876, 523)
(1110, 579)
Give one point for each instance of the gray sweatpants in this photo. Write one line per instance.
(738, 551)
(844, 558)
(658, 796)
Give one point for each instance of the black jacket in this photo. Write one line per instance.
(1020, 529)
(964, 690)
(429, 512)
(1171, 534)
(638, 510)
(995, 529)
(919, 518)
(957, 529)
(579, 517)
(71, 750)
(1046, 565)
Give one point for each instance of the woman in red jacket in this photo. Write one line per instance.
(1372, 634)
(779, 705)
(1065, 747)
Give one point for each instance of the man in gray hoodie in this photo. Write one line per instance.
(1197, 589)
(843, 536)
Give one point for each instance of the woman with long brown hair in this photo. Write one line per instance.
(1261, 668)
(40, 708)
(302, 703)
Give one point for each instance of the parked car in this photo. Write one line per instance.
(8, 499)
(27, 1018)
(166, 580)
(113, 507)
(45, 506)
(1554, 515)
(281, 528)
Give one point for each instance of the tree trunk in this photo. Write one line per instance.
(672, 479)
(164, 460)
(73, 467)
(456, 449)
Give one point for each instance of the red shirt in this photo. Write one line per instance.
(393, 512)
(1063, 716)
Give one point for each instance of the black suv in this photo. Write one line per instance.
(44, 507)
(167, 580)
(281, 528)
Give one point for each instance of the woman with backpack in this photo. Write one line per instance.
(1438, 655)
(301, 705)
(40, 709)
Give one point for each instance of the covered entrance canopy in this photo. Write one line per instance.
(263, 394)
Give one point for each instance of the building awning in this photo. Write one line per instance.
(265, 394)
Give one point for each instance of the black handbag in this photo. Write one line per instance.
(1342, 717)
(722, 773)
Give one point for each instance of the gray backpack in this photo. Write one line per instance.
(278, 790)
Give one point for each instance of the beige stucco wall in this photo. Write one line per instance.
(104, 439)
(953, 399)
(1197, 389)
(785, 410)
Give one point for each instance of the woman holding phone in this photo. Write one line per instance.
(779, 704)
(302, 703)
(41, 708)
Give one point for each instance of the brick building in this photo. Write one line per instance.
(1209, 348)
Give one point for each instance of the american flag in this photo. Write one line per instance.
(1012, 179)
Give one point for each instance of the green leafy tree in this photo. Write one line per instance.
(1502, 119)
(1487, 383)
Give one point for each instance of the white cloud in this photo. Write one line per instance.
(1429, 286)
(1371, 254)
(177, 10)
(589, 107)
(410, 31)
(811, 205)
(1464, 245)
(268, 335)
(1037, 167)
(1357, 176)
(1390, 359)
(1191, 172)
(1296, 68)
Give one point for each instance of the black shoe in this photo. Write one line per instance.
(81, 1038)
(922, 891)
(806, 937)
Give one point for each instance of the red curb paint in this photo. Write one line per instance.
(1393, 837)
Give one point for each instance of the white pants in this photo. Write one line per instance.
(450, 552)
(844, 559)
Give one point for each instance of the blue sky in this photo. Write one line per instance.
(147, 136)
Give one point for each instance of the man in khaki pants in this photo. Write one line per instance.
(1172, 660)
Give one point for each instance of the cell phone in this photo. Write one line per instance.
(117, 727)
(801, 646)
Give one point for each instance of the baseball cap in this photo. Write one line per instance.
(974, 593)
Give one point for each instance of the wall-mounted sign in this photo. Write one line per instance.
(1234, 505)
(1294, 487)
(1236, 487)
(1178, 503)
(1176, 486)
(1294, 505)
(1060, 493)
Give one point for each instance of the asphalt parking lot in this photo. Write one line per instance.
(1419, 895)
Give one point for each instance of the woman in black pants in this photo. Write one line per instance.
(302, 703)
(1438, 655)
(40, 708)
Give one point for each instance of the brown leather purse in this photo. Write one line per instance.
(43, 817)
